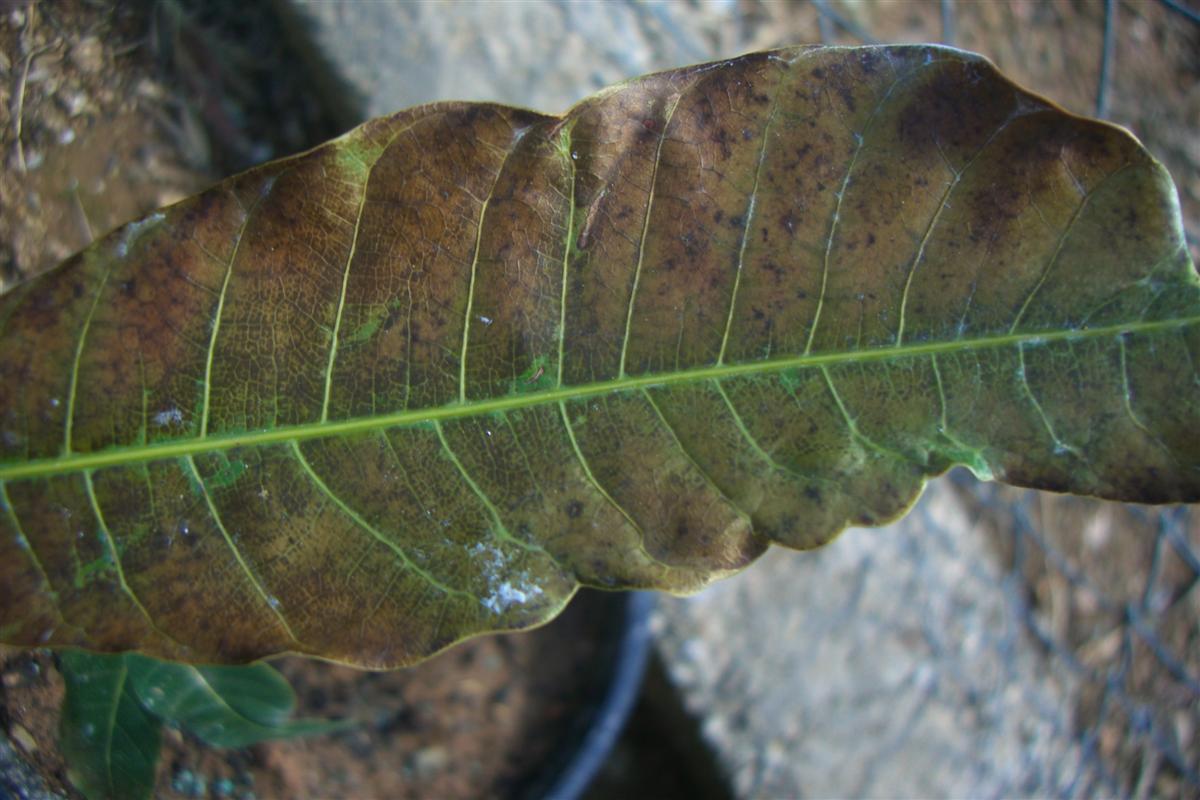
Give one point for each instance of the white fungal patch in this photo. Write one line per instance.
(135, 229)
(507, 595)
(490, 560)
(170, 416)
(505, 588)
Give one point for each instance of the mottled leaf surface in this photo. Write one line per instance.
(423, 381)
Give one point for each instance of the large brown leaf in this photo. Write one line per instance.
(424, 380)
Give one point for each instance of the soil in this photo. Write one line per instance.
(496, 716)
(1115, 589)
(110, 111)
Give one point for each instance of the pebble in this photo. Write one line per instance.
(88, 55)
(23, 737)
(429, 761)
(189, 784)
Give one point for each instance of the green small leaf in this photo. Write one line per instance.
(108, 739)
(223, 706)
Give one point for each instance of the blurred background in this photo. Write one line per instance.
(995, 643)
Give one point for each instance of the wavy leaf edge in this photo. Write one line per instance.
(551, 392)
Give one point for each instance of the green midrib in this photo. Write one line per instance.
(119, 456)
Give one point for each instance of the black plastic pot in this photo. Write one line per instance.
(599, 725)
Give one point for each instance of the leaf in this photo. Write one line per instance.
(223, 706)
(116, 705)
(109, 741)
(423, 381)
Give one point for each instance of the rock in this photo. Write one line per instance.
(889, 663)
(23, 737)
(395, 55)
(429, 761)
(88, 54)
(17, 778)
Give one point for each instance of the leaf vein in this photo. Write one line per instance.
(119, 688)
(502, 531)
(1058, 248)
(237, 553)
(620, 509)
(27, 546)
(742, 512)
(337, 322)
(358, 519)
(755, 445)
(933, 222)
(216, 323)
(943, 423)
(111, 545)
(462, 360)
(565, 149)
(72, 391)
(1059, 445)
(749, 219)
(637, 271)
(1127, 397)
(851, 423)
(860, 140)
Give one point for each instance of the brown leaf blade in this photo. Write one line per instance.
(423, 381)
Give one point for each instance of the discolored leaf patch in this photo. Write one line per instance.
(422, 382)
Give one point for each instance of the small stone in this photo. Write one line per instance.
(188, 783)
(23, 737)
(73, 103)
(360, 744)
(88, 55)
(429, 761)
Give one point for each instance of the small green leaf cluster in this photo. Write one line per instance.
(116, 707)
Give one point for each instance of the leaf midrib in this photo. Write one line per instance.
(118, 456)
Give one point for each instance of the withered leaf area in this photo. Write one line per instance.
(425, 380)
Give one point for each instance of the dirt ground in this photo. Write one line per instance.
(108, 111)
(492, 717)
